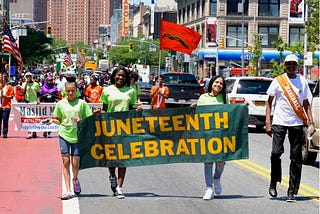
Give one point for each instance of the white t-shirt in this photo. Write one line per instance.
(283, 113)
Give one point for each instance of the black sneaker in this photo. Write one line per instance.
(113, 183)
(5, 136)
(34, 135)
(291, 198)
(273, 190)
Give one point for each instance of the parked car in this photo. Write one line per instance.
(145, 91)
(311, 148)
(184, 89)
(253, 91)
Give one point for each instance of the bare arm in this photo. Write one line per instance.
(307, 108)
(268, 116)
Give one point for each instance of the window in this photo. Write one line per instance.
(234, 36)
(269, 34)
(296, 34)
(213, 7)
(232, 7)
(269, 7)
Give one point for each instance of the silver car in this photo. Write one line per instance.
(310, 148)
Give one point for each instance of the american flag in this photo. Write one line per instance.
(67, 61)
(10, 44)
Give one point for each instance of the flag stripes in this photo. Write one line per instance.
(10, 45)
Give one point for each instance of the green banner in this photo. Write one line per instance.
(177, 135)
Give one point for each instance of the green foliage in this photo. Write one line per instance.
(256, 55)
(120, 54)
(312, 25)
(278, 65)
(35, 47)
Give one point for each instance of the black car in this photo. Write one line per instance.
(145, 91)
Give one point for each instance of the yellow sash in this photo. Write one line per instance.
(292, 98)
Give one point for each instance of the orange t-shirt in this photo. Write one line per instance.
(8, 91)
(94, 93)
(159, 102)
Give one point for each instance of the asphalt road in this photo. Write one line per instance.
(31, 183)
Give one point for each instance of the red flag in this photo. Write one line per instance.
(10, 45)
(178, 38)
(67, 61)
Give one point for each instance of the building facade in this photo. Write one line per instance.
(222, 21)
(78, 21)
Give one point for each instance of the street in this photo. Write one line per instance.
(31, 183)
(178, 188)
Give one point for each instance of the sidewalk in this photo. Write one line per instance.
(30, 180)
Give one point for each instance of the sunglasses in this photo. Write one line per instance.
(291, 63)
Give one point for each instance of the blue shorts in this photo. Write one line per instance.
(67, 148)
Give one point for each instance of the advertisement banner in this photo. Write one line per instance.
(28, 116)
(178, 135)
(211, 36)
(296, 11)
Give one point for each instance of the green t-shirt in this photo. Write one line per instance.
(31, 91)
(137, 88)
(118, 99)
(207, 99)
(66, 111)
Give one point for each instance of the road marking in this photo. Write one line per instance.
(304, 190)
(70, 206)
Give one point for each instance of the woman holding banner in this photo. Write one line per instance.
(68, 112)
(116, 98)
(216, 95)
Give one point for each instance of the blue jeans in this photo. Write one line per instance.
(208, 173)
(4, 116)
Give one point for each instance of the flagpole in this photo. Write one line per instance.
(159, 71)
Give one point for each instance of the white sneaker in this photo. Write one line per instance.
(217, 186)
(119, 193)
(208, 194)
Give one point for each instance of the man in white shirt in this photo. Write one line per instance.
(290, 92)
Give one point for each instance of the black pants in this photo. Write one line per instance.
(295, 134)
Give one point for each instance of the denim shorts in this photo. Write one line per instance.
(67, 148)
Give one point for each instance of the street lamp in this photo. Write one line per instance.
(241, 10)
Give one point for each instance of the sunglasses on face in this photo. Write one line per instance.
(292, 63)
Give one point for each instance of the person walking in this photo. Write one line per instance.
(116, 98)
(134, 76)
(93, 91)
(159, 93)
(68, 112)
(288, 95)
(216, 95)
(31, 90)
(48, 94)
(6, 95)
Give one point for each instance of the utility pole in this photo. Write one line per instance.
(242, 31)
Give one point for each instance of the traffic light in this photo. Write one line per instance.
(250, 48)
(130, 46)
(49, 31)
(221, 43)
(83, 51)
(70, 50)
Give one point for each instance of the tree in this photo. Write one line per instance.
(278, 64)
(141, 52)
(35, 47)
(312, 25)
(255, 59)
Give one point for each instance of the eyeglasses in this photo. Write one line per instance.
(291, 63)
